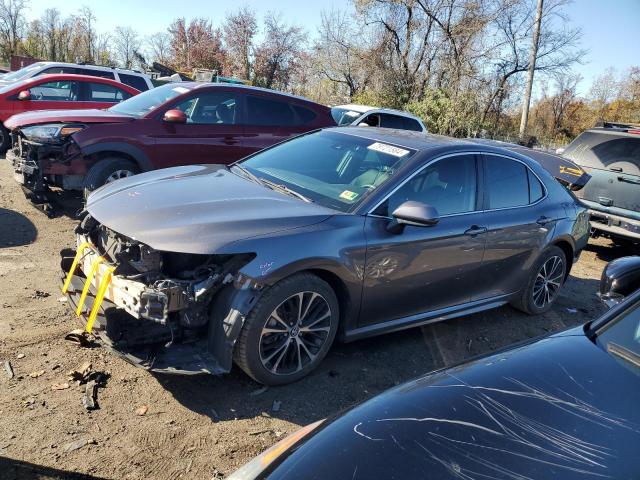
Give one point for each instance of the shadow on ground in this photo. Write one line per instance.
(356, 371)
(15, 229)
(17, 470)
(611, 251)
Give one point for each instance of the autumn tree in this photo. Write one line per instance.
(279, 53)
(239, 31)
(197, 45)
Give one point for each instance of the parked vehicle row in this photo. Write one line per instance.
(61, 91)
(174, 124)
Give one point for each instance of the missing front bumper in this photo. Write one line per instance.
(144, 343)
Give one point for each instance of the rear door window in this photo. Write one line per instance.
(101, 92)
(391, 121)
(263, 111)
(506, 182)
(63, 91)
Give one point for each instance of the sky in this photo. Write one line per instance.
(611, 28)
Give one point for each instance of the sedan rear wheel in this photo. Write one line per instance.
(289, 331)
(546, 279)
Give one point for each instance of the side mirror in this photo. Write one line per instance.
(175, 116)
(620, 278)
(413, 213)
(24, 95)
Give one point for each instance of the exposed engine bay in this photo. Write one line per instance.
(159, 301)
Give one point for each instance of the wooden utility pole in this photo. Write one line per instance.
(532, 67)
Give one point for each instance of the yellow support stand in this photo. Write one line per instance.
(83, 246)
(102, 289)
(87, 284)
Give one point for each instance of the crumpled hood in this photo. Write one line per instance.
(197, 209)
(37, 117)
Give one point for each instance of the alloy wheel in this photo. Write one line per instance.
(548, 281)
(117, 175)
(295, 333)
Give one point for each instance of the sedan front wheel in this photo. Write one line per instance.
(289, 331)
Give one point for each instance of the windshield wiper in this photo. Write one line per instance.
(624, 353)
(248, 174)
(284, 189)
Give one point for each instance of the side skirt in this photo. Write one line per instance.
(425, 318)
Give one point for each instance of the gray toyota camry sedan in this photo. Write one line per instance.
(344, 232)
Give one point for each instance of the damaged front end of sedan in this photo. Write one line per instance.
(45, 156)
(163, 311)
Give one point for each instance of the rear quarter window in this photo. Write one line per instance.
(305, 115)
(134, 81)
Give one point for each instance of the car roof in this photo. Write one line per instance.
(356, 107)
(74, 76)
(420, 141)
(90, 66)
(237, 86)
(366, 109)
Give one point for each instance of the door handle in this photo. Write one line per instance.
(229, 141)
(628, 180)
(542, 221)
(475, 230)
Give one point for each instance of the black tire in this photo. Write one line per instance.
(99, 174)
(528, 300)
(254, 346)
(5, 140)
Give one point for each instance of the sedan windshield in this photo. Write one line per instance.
(143, 103)
(333, 169)
(22, 73)
(621, 338)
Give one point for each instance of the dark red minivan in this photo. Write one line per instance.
(175, 124)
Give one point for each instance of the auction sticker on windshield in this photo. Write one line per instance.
(180, 89)
(349, 195)
(388, 149)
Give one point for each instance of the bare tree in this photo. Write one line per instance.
(239, 31)
(12, 23)
(125, 42)
(159, 46)
(341, 52)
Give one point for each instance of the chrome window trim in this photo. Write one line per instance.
(437, 159)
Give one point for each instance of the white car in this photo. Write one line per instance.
(134, 79)
(353, 114)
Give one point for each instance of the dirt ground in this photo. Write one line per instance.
(196, 427)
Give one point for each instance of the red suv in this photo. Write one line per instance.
(59, 91)
(175, 124)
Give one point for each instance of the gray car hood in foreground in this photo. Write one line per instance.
(197, 209)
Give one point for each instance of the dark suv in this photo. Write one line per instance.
(176, 124)
(611, 155)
